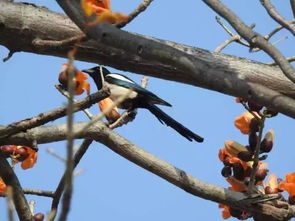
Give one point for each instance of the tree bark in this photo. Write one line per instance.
(21, 25)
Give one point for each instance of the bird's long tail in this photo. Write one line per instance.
(164, 118)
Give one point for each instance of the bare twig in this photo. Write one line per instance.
(290, 59)
(66, 203)
(256, 156)
(10, 54)
(292, 3)
(277, 29)
(53, 153)
(276, 16)
(35, 192)
(19, 200)
(253, 38)
(50, 115)
(60, 188)
(234, 38)
(66, 94)
(143, 6)
(51, 43)
(32, 205)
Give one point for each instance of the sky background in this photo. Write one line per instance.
(112, 188)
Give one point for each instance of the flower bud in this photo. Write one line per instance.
(269, 190)
(267, 142)
(6, 150)
(245, 156)
(22, 153)
(226, 171)
(253, 139)
(38, 217)
(261, 173)
(238, 171)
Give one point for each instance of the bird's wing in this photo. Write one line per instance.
(126, 82)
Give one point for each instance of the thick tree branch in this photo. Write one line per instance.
(19, 200)
(135, 154)
(20, 24)
(50, 115)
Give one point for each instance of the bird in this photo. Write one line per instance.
(139, 97)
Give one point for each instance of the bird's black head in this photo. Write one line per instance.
(96, 73)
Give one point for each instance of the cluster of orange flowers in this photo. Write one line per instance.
(81, 86)
(238, 160)
(26, 155)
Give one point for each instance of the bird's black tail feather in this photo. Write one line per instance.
(164, 118)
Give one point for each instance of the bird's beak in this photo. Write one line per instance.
(88, 71)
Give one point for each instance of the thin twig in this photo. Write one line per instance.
(256, 156)
(51, 152)
(234, 38)
(32, 205)
(10, 54)
(60, 188)
(66, 203)
(253, 38)
(290, 59)
(46, 117)
(276, 16)
(66, 94)
(51, 43)
(277, 29)
(143, 6)
(19, 200)
(273, 43)
(292, 3)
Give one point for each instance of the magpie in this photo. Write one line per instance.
(138, 98)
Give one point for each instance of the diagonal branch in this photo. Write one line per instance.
(19, 200)
(142, 7)
(252, 37)
(135, 154)
(276, 16)
(50, 115)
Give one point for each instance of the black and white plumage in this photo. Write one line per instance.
(138, 98)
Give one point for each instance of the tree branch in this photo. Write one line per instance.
(252, 37)
(214, 71)
(135, 154)
(276, 16)
(50, 115)
(19, 200)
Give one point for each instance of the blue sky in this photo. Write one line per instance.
(112, 188)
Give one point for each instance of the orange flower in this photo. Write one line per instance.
(225, 212)
(243, 121)
(79, 80)
(236, 186)
(289, 184)
(112, 115)
(30, 161)
(226, 157)
(2, 186)
(102, 8)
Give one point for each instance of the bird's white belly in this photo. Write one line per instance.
(117, 91)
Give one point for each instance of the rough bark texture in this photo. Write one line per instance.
(21, 24)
